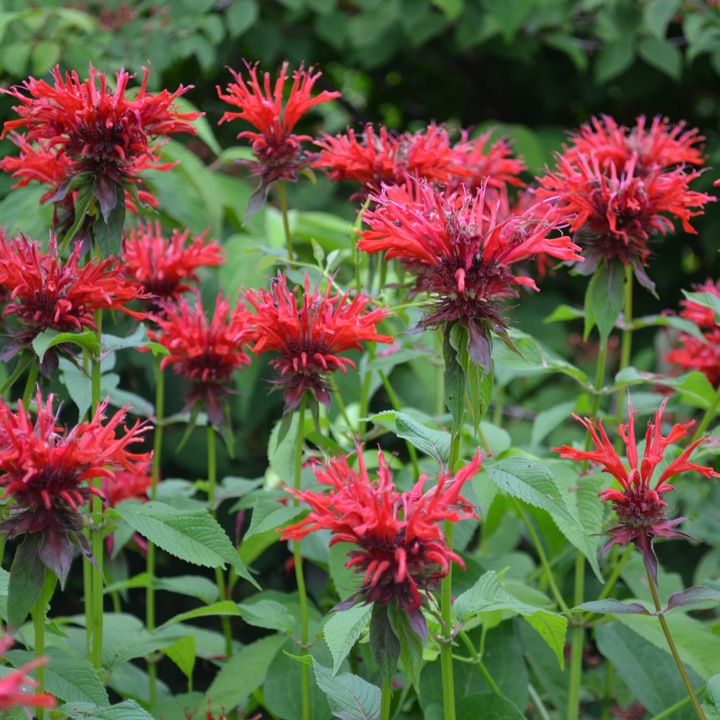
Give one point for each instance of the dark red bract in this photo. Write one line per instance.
(639, 506)
(310, 338)
(401, 548)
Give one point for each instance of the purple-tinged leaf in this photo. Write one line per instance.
(56, 553)
(610, 606)
(692, 596)
(384, 643)
(27, 579)
(105, 192)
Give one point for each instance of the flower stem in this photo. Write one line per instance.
(499, 406)
(30, 385)
(477, 660)
(22, 363)
(610, 584)
(673, 650)
(543, 557)
(396, 406)
(38, 618)
(538, 703)
(155, 475)
(385, 700)
(97, 513)
(341, 404)
(677, 706)
(219, 576)
(355, 250)
(608, 696)
(577, 640)
(286, 223)
(364, 402)
(707, 417)
(626, 350)
(304, 669)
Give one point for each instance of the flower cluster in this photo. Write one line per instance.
(401, 550)
(278, 152)
(309, 338)
(639, 505)
(205, 353)
(45, 470)
(384, 158)
(460, 251)
(49, 293)
(694, 353)
(161, 267)
(621, 186)
(14, 686)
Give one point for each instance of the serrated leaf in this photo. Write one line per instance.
(137, 339)
(604, 299)
(27, 580)
(611, 606)
(50, 338)
(435, 443)
(267, 614)
(191, 585)
(350, 697)
(224, 607)
(488, 595)
(453, 373)
(663, 56)
(282, 452)
(692, 596)
(269, 515)
(193, 536)
(532, 483)
(342, 629)
(411, 644)
(126, 710)
(86, 192)
(694, 387)
(68, 678)
(108, 231)
(384, 644)
(182, 653)
(243, 673)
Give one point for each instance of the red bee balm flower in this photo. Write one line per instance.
(310, 338)
(99, 131)
(278, 152)
(161, 267)
(617, 213)
(698, 355)
(13, 687)
(639, 505)
(401, 548)
(461, 252)
(701, 315)
(46, 470)
(205, 353)
(49, 293)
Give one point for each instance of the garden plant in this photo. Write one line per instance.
(315, 406)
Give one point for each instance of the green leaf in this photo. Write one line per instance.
(657, 15)
(532, 483)
(50, 338)
(663, 55)
(282, 452)
(86, 193)
(241, 16)
(478, 382)
(613, 60)
(350, 697)
(488, 595)
(564, 312)
(649, 673)
(384, 643)
(137, 339)
(547, 420)
(267, 614)
(243, 673)
(44, 56)
(108, 235)
(454, 375)
(347, 582)
(571, 47)
(202, 126)
(705, 299)
(68, 678)
(191, 585)
(224, 607)
(411, 644)
(342, 630)
(581, 494)
(435, 443)
(182, 653)
(712, 695)
(193, 536)
(126, 710)
(452, 9)
(487, 705)
(604, 299)
(694, 387)
(27, 579)
(611, 606)
(269, 515)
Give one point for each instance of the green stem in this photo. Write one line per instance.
(355, 250)
(22, 363)
(29, 385)
(610, 584)
(577, 640)
(499, 406)
(677, 706)
(538, 703)
(341, 404)
(477, 660)
(364, 402)
(673, 650)
(626, 350)
(439, 376)
(305, 675)
(396, 406)
(286, 223)
(543, 557)
(97, 512)
(155, 475)
(38, 618)
(608, 696)
(385, 700)
(219, 575)
(707, 417)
